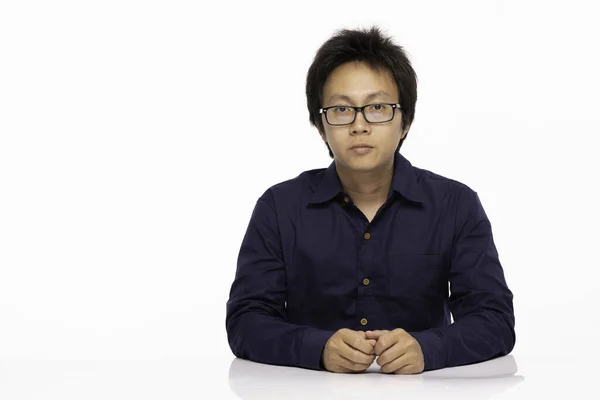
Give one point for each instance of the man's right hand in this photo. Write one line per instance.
(348, 351)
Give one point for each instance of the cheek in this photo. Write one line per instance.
(333, 136)
(392, 135)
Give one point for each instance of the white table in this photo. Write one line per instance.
(220, 376)
(251, 380)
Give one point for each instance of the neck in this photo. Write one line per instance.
(368, 186)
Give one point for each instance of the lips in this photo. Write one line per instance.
(361, 150)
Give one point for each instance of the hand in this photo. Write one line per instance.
(398, 352)
(348, 351)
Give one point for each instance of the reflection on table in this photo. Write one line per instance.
(250, 380)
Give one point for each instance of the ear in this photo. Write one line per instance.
(405, 132)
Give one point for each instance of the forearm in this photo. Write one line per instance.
(477, 337)
(257, 336)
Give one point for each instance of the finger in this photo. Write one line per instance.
(409, 369)
(376, 334)
(385, 342)
(389, 355)
(339, 368)
(355, 355)
(397, 364)
(372, 342)
(359, 343)
(350, 365)
(335, 367)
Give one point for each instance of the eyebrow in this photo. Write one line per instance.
(348, 99)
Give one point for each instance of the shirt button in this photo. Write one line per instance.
(367, 236)
(363, 321)
(366, 282)
(346, 200)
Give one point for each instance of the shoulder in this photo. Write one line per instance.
(441, 188)
(293, 191)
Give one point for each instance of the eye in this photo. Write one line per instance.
(341, 109)
(378, 107)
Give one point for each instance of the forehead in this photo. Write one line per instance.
(357, 80)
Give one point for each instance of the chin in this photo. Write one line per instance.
(361, 163)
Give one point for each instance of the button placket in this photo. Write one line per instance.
(364, 289)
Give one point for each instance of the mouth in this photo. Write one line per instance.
(361, 149)
(359, 146)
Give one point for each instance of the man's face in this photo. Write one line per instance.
(357, 81)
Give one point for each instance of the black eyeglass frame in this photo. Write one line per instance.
(360, 109)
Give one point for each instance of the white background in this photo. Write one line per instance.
(135, 138)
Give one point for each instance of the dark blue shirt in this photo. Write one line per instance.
(311, 263)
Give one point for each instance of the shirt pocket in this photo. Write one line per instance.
(417, 275)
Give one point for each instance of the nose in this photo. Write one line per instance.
(360, 125)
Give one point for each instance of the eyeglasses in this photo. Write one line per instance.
(373, 113)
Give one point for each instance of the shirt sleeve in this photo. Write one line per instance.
(256, 319)
(480, 300)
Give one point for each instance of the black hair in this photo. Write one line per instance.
(371, 47)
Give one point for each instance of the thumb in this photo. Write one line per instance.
(372, 342)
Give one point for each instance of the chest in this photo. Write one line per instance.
(330, 244)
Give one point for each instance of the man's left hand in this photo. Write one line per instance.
(398, 352)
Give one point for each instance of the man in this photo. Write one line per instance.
(366, 259)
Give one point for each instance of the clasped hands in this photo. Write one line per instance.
(354, 351)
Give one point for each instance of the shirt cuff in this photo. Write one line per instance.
(313, 345)
(433, 349)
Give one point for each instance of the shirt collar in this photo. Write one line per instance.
(404, 182)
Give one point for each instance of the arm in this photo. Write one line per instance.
(256, 320)
(480, 300)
